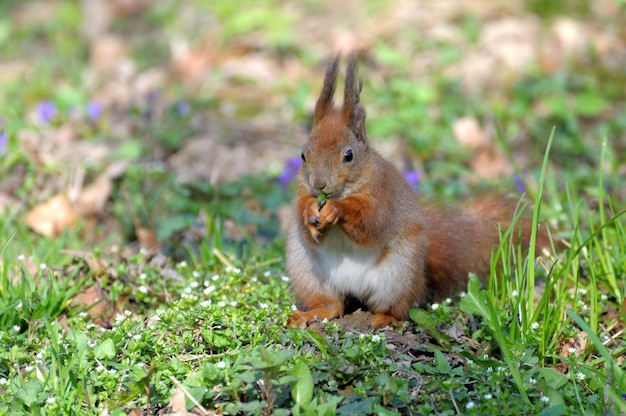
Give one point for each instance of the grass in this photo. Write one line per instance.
(204, 316)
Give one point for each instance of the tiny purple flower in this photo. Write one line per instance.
(46, 110)
(292, 165)
(94, 110)
(182, 107)
(519, 184)
(4, 139)
(413, 178)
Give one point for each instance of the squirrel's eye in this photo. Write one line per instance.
(302, 156)
(347, 157)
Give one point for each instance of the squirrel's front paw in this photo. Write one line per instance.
(312, 220)
(329, 215)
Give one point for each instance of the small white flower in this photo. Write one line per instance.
(19, 306)
(194, 284)
(376, 338)
(488, 396)
(514, 293)
(182, 264)
(187, 290)
(267, 273)
(285, 278)
(233, 303)
(137, 337)
(221, 364)
(91, 343)
(572, 350)
(29, 368)
(325, 321)
(534, 325)
(264, 305)
(470, 405)
(143, 289)
(43, 266)
(140, 364)
(545, 399)
(215, 277)
(21, 257)
(196, 274)
(434, 306)
(100, 367)
(294, 308)
(448, 301)
(16, 328)
(205, 303)
(580, 376)
(208, 290)
(221, 303)
(604, 296)
(51, 400)
(582, 291)
(361, 336)
(3, 381)
(112, 371)
(237, 270)
(143, 276)
(462, 294)
(470, 362)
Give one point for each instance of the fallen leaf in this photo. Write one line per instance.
(147, 238)
(178, 403)
(98, 304)
(468, 133)
(94, 197)
(50, 218)
(491, 164)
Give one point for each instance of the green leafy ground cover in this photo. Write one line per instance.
(172, 296)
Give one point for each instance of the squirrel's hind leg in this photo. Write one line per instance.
(319, 307)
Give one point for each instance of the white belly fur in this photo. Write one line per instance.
(356, 271)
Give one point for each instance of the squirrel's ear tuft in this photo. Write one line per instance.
(325, 101)
(353, 113)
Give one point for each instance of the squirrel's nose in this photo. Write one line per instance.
(320, 183)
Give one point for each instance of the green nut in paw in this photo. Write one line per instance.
(321, 200)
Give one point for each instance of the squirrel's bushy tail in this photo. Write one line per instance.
(460, 240)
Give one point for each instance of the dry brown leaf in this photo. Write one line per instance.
(107, 52)
(98, 304)
(491, 164)
(147, 238)
(94, 197)
(468, 133)
(50, 218)
(178, 403)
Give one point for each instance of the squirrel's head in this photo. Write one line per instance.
(337, 149)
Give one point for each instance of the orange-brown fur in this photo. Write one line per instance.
(372, 240)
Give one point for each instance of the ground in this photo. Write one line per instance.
(148, 158)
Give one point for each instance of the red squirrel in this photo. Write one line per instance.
(359, 231)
